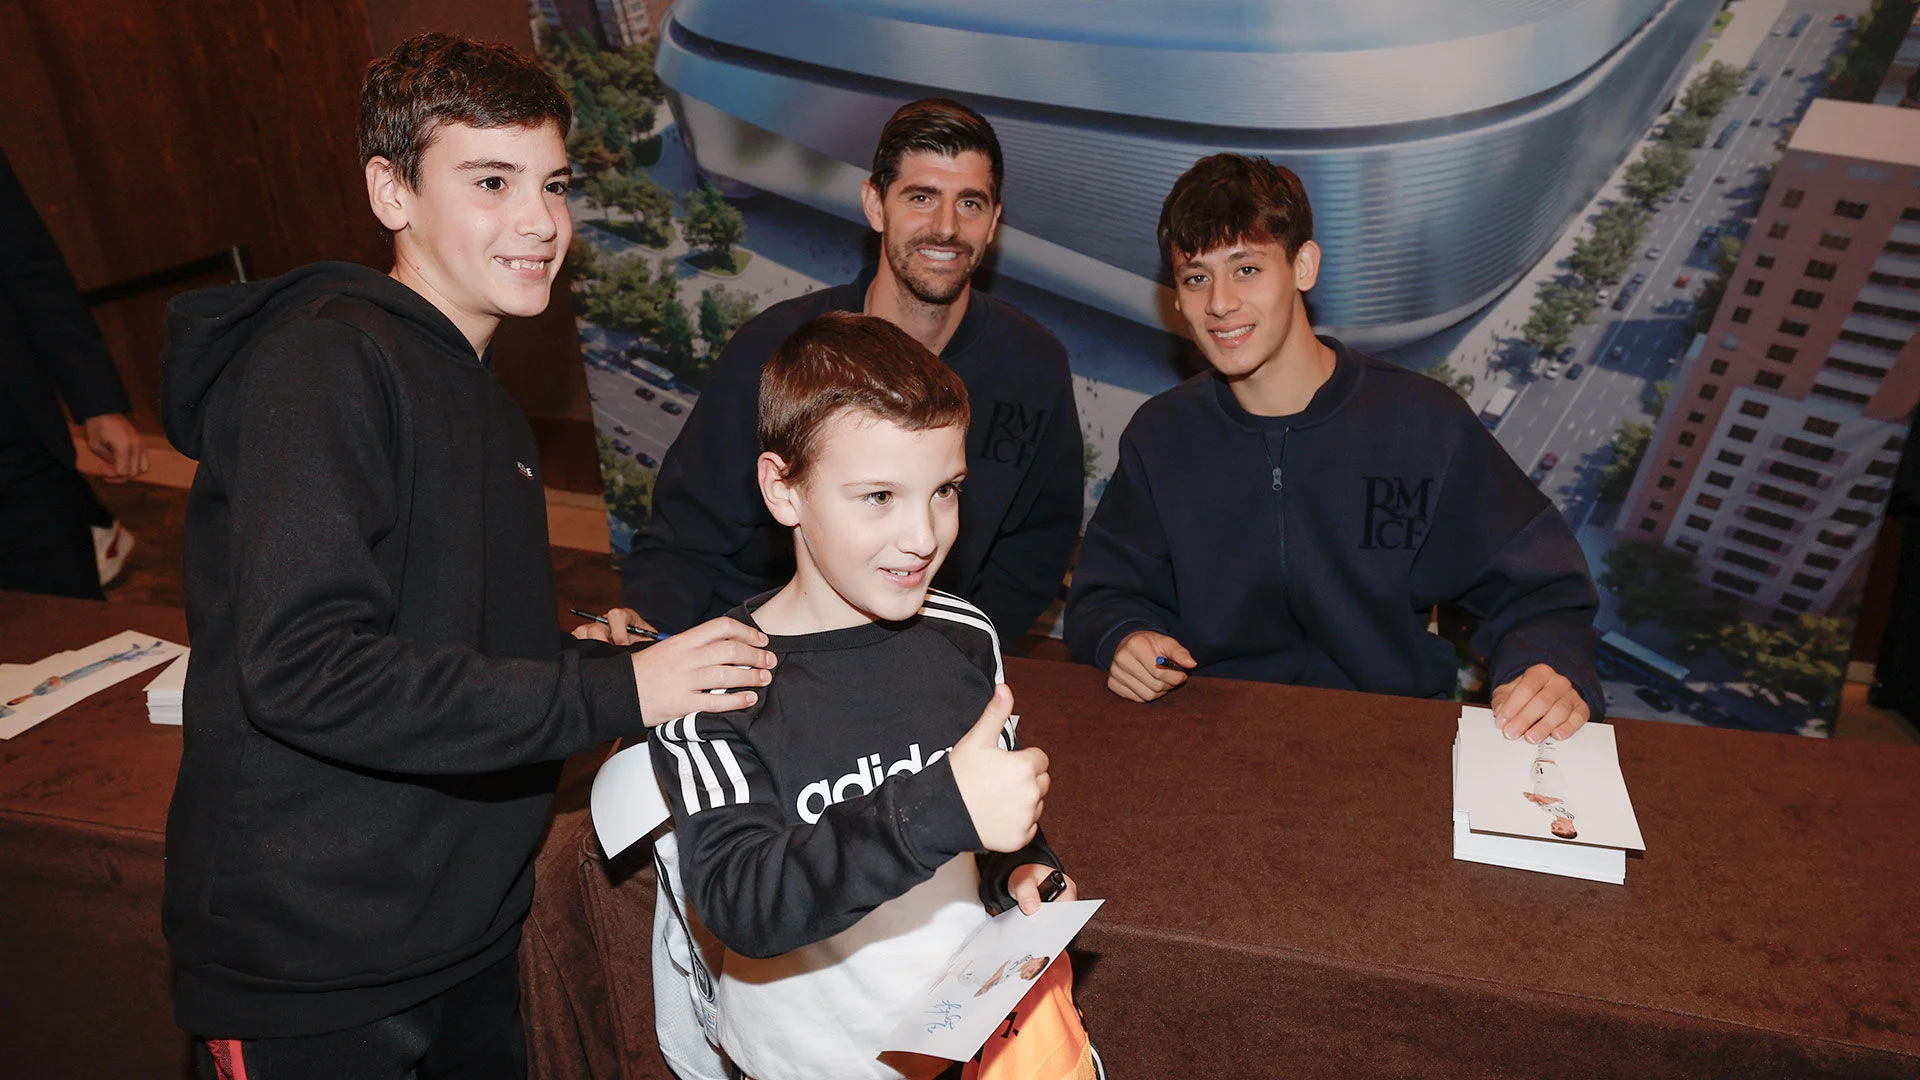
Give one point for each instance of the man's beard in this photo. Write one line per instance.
(939, 291)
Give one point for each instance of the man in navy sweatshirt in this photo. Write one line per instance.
(934, 198)
(1294, 514)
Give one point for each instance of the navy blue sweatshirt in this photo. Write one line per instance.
(1311, 548)
(712, 544)
(380, 695)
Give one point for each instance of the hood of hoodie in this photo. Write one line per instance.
(208, 330)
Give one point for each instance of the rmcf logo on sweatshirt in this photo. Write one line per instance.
(1396, 515)
(868, 773)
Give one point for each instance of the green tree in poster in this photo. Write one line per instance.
(1705, 303)
(628, 488)
(627, 296)
(1629, 446)
(715, 224)
(649, 204)
(1687, 131)
(1443, 373)
(676, 341)
(1655, 585)
(1662, 168)
(1806, 658)
(721, 313)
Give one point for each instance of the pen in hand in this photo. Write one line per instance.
(636, 631)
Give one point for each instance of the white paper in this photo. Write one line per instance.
(1541, 856)
(1519, 789)
(627, 802)
(172, 682)
(66, 678)
(986, 978)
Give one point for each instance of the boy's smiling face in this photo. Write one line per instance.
(1242, 301)
(482, 234)
(874, 516)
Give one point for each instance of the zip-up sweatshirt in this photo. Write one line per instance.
(711, 542)
(379, 694)
(1311, 548)
(823, 841)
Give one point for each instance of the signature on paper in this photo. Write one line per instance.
(946, 1017)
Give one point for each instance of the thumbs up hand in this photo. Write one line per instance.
(1005, 791)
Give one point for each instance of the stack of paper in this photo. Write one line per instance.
(30, 693)
(1559, 808)
(163, 693)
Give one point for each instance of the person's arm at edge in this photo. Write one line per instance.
(1506, 555)
(61, 332)
(1123, 582)
(310, 494)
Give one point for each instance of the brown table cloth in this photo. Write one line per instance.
(1282, 898)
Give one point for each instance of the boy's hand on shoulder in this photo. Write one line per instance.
(1005, 791)
(1541, 704)
(1138, 673)
(1024, 884)
(678, 675)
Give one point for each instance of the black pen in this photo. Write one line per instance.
(636, 631)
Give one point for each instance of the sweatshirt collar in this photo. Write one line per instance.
(853, 297)
(1326, 401)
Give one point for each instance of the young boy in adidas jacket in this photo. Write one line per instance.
(845, 835)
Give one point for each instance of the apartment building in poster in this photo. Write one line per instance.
(1774, 456)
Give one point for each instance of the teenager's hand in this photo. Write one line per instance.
(1004, 790)
(1025, 882)
(114, 440)
(619, 621)
(1541, 704)
(1136, 673)
(675, 677)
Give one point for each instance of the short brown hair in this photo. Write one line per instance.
(1227, 198)
(840, 361)
(430, 80)
(934, 126)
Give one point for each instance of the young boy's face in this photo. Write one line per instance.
(483, 233)
(1242, 300)
(874, 516)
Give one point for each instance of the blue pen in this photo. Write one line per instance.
(636, 631)
(1159, 661)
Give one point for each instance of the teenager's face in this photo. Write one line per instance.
(935, 221)
(483, 233)
(874, 516)
(1242, 301)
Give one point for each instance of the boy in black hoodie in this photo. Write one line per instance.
(1294, 514)
(379, 697)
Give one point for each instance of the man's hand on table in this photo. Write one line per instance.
(1541, 704)
(1147, 665)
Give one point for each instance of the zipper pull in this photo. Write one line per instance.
(1276, 478)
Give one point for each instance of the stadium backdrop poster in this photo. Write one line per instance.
(1528, 204)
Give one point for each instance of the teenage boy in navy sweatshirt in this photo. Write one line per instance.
(934, 198)
(1294, 514)
(380, 698)
(845, 835)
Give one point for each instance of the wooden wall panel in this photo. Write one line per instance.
(153, 132)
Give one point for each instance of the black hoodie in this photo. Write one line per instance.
(379, 695)
(1311, 548)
